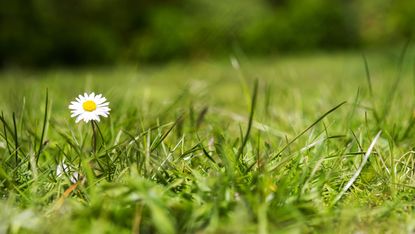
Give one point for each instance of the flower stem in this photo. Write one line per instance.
(94, 137)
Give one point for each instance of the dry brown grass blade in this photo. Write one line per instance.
(65, 194)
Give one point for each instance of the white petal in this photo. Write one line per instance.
(90, 116)
(101, 100)
(103, 104)
(61, 169)
(77, 112)
(72, 106)
(85, 118)
(75, 177)
(105, 114)
(79, 118)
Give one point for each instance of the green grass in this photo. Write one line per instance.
(197, 148)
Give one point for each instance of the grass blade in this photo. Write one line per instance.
(357, 173)
(161, 139)
(368, 77)
(16, 142)
(5, 128)
(396, 83)
(45, 119)
(251, 117)
(369, 83)
(308, 128)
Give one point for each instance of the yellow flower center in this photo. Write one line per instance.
(89, 106)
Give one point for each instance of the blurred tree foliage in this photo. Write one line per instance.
(75, 32)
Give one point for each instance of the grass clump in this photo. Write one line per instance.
(302, 148)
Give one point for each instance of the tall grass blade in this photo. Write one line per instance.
(368, 77)
(45, 120)
(5, 128)
(357, 173)
(308, 128)
(369, 83)
(394, 88)
(16, 142)
(251, 117)
(159, 141)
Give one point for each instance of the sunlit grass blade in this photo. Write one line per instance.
(359, 169)
(308, 128)
(251, 117)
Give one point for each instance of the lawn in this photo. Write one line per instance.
(310, 143)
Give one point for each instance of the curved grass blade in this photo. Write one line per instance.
(161, 139)
(251, 117)
(308, 128)
(357, 173)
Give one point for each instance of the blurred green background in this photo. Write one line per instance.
(42, 33)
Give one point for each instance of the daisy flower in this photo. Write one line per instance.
(89, 107)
